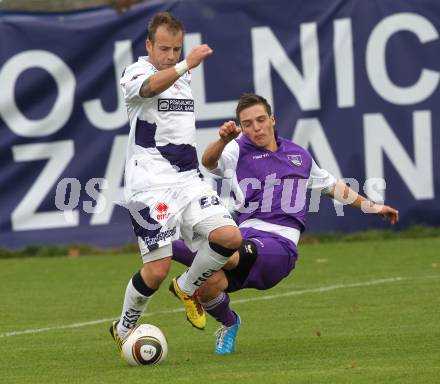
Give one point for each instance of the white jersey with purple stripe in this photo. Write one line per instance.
(270, 187)
(161, 149)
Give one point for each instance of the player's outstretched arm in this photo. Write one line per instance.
(162, 80)
(227, 132)
(344, 194)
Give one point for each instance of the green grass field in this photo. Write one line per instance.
(358, 312)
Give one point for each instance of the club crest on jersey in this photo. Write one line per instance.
(295, 159)
(162, 211)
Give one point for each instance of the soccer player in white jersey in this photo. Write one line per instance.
(164, 191)
(270, 176)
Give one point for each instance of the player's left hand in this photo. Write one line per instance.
(389, 214)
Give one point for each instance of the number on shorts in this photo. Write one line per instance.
(207, 201)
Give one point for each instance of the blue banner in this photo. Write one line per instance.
(357, 83)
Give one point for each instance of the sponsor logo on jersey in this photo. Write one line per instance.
(256, 157)
(162, 211)
(295, 159)
(175, 105)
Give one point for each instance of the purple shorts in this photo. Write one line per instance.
(276, 257)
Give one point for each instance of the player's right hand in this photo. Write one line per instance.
(389, 214)
(198, 54)
(229, 131)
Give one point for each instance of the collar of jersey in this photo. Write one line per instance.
(144, 60)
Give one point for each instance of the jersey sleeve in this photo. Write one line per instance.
(132, 80)
(320, 179)
(227, 163)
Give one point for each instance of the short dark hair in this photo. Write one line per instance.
(167, 19)
(249, 100)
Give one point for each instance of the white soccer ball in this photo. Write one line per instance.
(145, 345)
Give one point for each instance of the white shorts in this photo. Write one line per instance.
(161, 216)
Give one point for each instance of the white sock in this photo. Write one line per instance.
(134, 306)
(205, 263)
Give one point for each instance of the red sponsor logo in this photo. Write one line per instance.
(162, 211)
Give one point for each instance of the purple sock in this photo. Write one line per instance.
(182, 253)
(219, 309)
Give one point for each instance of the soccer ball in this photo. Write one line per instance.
(145, 345)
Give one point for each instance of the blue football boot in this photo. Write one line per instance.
(225, 338)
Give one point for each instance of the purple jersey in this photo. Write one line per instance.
(270, 187)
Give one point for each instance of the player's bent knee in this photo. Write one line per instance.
(159, 274)
(227, 236)
(156, 271)
(235, 239)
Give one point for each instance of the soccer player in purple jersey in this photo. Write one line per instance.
(269, 177)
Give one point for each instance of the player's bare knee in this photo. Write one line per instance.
(227, 236)
(160, 274)
(234, 239)
(156, 271)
